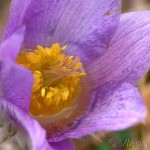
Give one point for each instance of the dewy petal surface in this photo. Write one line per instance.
(63, 145)
(85, 26)
(128, 56)
(116, 108)
(25, 124)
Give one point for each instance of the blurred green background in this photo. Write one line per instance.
(136, 138)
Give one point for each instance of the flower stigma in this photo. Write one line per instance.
(57, 79)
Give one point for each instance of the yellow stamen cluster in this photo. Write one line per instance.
(56, 79)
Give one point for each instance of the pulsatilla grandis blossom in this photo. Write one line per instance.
(85, 59)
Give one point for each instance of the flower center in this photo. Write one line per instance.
(56, 79)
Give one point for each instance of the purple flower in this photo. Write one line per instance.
(85, 69)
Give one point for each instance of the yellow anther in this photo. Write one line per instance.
(71, 57)
(49, 95)
(43, 92)
(78, 65)
(82, 74)
(52, 89)
(64, 47)
(65, 94)
(37, 73)
(40, 48)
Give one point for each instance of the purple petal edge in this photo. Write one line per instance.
(63, 145)
(33, 129)
(10, 48)
(127, 58)
(86, 29)
(115, 107)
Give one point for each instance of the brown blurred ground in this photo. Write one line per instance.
(4, 11)
(133, 5)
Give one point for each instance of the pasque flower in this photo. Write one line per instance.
(85, 60)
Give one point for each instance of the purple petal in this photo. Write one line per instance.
(10, 48)
(25, 125)
(128, 56)
(63, 145)
(16, 84)
(115, 107)
(85, 26)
